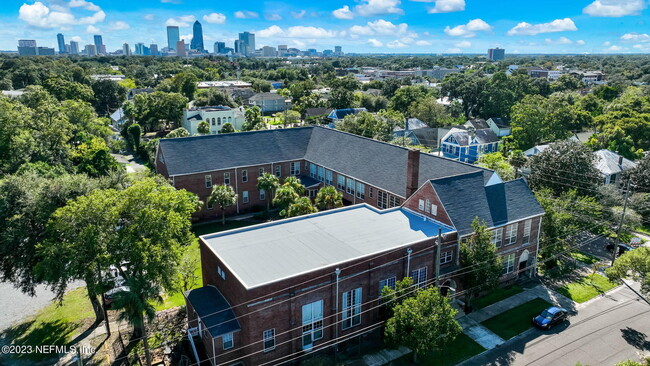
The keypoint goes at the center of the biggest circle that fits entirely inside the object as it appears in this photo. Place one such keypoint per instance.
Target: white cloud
(635, 37)
(463, 44)
(580, 42)
(149, 17)
(92, 29)
(120, 25)
(369, 8)
(215, 18)
(448, 6)
(246, 14)
(396, 44)
(272, 31)
(77, 39)
(615, 48)
(380, 27)
(182, 21)
(39, 15)
(375, 43)
(423, 43)
(272, 17)
(615, 8)
(187, 38)
(558, 25)
(298, 14)
(309, 32)
(642, 47)
(607, 43)
(343, 13)
(561, 40)
(469, 29)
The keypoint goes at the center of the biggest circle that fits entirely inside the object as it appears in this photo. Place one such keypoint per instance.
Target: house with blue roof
(339, 114)
(466, 145)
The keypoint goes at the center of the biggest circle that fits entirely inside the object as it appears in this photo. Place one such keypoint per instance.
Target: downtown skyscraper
(248, 40)
(61, 42)
(173, 36)
(99, 44)
(197, 37)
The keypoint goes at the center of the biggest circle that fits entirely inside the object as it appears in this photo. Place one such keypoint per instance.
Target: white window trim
(208, 181)
(231, 340)
(352, 311)
(268, 335)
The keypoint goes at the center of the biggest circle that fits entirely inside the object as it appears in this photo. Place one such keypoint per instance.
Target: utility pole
(437, 260)
(620, 225)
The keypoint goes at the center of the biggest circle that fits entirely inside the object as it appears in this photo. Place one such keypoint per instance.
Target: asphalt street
(607, 330)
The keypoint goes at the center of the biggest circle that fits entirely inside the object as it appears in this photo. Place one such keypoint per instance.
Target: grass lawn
(462, 348)
(496, 296)
(644, 229)
(584, 257)
(53, 324)
(214, 227)
(516, 320)
(586, 288)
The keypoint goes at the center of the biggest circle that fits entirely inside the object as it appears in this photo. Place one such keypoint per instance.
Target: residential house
(467, 146)
(339, 114)
(315, 115)
(216, 117)
(500, 126)
(133, 92)
(270, 102)
(476, 124)
(611, 166)
(420, 134)
(118, 119)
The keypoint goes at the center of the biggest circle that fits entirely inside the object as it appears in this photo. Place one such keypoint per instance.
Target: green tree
(188, 278)
(328, 198)
(536, 119)
(203, 128)
(566, 83)
(480, 253)
(635, 264)
(109, 95)
(341, 98)
(262, 86)
(223, 196)
(227, 128)
(94, 158)
(295, 184)
(302, 206)
(253, 117)
(179, 132)
(392, 297)
(134, 132)
(497, 162)
(406, 96)
(212, 97)
(268, 183)
(284, 197)
(63, 89)
(423, 323)
(366, 125)
(184, 83)
(429, 111)
(640, 176)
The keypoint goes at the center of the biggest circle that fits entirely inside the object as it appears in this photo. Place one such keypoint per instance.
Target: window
(389, 282)
(527, 224)
(219, 121)
(328, 177)
(226, 178)
(278, 171)
(269, 339)
(511, 234)
(350, 186)
(294, 168)
(340, 182)
(244, 196)
(352, 308)
(312, 323)
(261, 172)
(213, 122)
(509, 263)
(244, 176)
(221, 273)
(208, 181)
(312, 193)
(394, 202)
(361, 191)
(262, 195)
(209, 205)
(419, 277)
(497, 237)
(321, 174)
(382, 199)
(421, 205)
(312, 170)
(447, 257)
(427, 206)
(434, 209)
(370, 192)
(227, 341)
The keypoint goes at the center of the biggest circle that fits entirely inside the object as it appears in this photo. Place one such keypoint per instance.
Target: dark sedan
(550, 317)
(622, 248)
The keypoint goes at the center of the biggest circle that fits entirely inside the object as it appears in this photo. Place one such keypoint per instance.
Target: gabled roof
(465, 138)
(317, 112)
(466, 197)
(478, 124)
(267, 96)
(501, 122)
(214, 311)
(118, 115)
(414, 124)
(341, 113)
(607, 162)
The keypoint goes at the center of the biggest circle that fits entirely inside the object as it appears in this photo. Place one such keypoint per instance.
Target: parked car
(109, 296)
(550, 317)
(622, 248)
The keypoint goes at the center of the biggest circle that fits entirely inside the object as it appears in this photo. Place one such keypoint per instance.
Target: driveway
(607, 330)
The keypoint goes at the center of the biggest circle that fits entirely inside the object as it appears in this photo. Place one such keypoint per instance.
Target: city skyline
(366, 26)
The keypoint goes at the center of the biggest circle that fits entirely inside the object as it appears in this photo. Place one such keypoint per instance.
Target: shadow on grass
(31, 334)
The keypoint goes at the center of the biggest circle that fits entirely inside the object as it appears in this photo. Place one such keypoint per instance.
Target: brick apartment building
(273, 290)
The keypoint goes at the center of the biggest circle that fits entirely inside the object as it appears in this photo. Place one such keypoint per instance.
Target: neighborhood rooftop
(373, 162)
(270, 252)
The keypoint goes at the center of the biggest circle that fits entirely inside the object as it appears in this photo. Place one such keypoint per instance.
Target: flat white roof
(270, 252)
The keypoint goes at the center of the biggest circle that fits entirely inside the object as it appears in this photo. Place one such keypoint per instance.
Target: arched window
(213, 121)
(229, 119)
(219, 121)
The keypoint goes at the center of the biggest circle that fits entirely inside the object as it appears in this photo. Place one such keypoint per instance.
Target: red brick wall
(427, 192)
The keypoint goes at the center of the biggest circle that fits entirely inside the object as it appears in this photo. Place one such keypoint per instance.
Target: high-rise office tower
(496, 54)
(98, 43)
(27, 47)
(126, 50)
(173, 36)
(180, 49)
(139, 49)
(219, 47)
(338, 50)
(61, 41)
(249, 43)
(91, 50)
(74, 48)
(153, 49)
(45, 51)
(240, 47)
(282, 50)
(197, 37)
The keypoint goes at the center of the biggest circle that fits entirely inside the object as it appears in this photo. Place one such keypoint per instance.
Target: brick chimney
(412, 172)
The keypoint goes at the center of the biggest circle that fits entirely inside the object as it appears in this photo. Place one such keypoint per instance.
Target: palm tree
(268, 183)
(328, 198)
(295, 184)
(285, 197)
(223, 196)
(302, 206)
(253, 117)
(136, 305)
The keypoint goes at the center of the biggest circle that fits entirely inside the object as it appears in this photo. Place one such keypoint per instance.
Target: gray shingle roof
(607, 162)
(463, 137)
(214, 311)
(466, 197)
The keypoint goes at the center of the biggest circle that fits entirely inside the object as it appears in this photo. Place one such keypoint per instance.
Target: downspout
(539, 230)
(237, 189)
(337, 272)
(408, 261)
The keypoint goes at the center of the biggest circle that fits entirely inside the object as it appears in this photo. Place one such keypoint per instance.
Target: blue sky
(386, 26)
